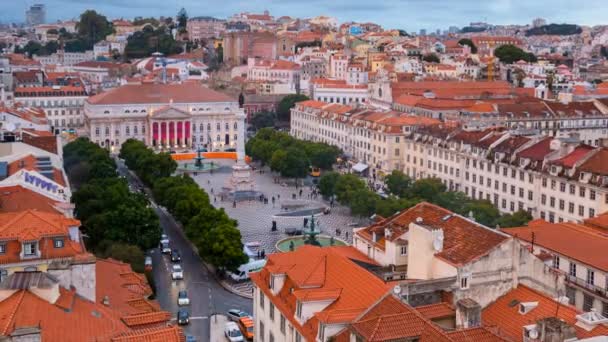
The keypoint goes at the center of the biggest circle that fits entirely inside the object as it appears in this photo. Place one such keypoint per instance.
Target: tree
(296, 163)
(278, 160)
(93, 27)
(182, 19)
(263, 119)
(509, 54)
(346, 186)
(129, 254)
(427, 189)
(221, 246)
(431, 58)
(517, 219)
(327, 184)
(392, 205)
(397, 183)
(454, 201)
(286, 104)
(483, 211)
(143, 43)
(468, 42)
(322, 155)
(363, 202)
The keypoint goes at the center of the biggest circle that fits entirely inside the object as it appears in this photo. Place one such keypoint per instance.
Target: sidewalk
(216, 328)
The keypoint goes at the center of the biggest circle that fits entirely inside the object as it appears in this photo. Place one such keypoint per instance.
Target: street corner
(216, 328)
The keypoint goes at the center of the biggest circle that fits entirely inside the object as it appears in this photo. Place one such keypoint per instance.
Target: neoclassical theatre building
(164, 116)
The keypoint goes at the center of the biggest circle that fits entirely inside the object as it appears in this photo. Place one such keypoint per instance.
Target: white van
(243, 271)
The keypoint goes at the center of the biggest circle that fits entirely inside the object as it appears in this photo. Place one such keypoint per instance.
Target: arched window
(134, 129)
(96, 130)
(107, 130)
(236, 125)
(227, 126)
(127, 130)
(379, 92)
(208, 126)
(217, 126)
(235, 137)
(201, 127)
(218, 138)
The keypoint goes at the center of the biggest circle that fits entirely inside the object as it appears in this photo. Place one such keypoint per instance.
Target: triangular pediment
(170, 113)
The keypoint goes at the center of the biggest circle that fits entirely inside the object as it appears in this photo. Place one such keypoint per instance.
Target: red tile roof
(573, 240)
(435, 311)
(538, 151)
(570, 160)
(158, 93)
(505, 316)
(597, 164)
(17, 198)
(479, 334)
(464, 240)
(325, 269)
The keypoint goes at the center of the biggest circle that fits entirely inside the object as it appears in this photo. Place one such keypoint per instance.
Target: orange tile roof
(438, 310)
(17, 198)
(158, 93)
(32, 224)
(599, 222)
(157, 334)
(573, 240)
(146, 318)
(124, 288)
(509, 322)
(596, 164)
(478, 334)
(326, 269)
(464, 240)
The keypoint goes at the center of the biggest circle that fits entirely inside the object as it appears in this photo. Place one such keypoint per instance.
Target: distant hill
(555, 29)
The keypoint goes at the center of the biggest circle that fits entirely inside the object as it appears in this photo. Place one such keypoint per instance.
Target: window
(571, 294)
(298, 309)
(261, 299)
(562, 187)
(261, 333)
(58, 243)
(556, 261)
(590, 277)
(582, 191)
(591, 212)
(552, 201)
(561, 204)
(572, 270)
(270, 336)
(283, 324)
(403, 250)
(572, 189)
(530, 195)
(571, 207)
(587, 302)
(464, 282)
(581, 210)
(271, 306)
(512, 189)
(298, 337)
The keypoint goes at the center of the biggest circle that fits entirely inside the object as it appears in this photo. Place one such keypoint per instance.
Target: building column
(184, 133)
(174, 133)
(166, 142)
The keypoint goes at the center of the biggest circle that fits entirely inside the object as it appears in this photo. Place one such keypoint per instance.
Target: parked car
(175, 257)
(183, 317)
(236, 314)
(164, 238)
(148, 263)
(164, 248)
(177, 272)
(190, 338)
(182, 298)
(232, 332)
(246, 326)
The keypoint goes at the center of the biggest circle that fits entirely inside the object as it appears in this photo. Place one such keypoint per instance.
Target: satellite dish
(10, 126)
(397, 289)
(533, 334)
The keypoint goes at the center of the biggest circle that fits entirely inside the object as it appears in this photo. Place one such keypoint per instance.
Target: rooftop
(158, 94)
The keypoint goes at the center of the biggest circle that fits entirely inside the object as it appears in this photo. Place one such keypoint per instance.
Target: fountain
(198, 165)
(311, 235)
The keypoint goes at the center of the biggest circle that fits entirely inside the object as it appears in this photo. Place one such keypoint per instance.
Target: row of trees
(117, 222)
(149, 40)
(283, 113)
(215, 235)
(352, 191)
(289, 156)
(509, 54)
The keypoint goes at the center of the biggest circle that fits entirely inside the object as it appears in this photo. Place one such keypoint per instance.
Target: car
(175, 257)
(183, 317)
(177, 272)
(232, 332)
(190, 338)
(148, 263)
(246, 326)
(164, 248)
(236, 314)
(182, 298)
(164, 238)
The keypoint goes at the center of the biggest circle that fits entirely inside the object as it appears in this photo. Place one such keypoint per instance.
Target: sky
(411, 15)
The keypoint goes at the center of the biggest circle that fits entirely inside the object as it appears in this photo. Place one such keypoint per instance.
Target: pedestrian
(300, 192)
(263, 254)
(211, 190)
(214, 199)
(208, 181)
(279, 196)
(234, 204)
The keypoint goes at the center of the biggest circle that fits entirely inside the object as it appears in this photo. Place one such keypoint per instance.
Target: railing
(598, 290)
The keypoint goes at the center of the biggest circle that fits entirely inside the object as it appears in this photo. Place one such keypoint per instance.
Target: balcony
(582, 284)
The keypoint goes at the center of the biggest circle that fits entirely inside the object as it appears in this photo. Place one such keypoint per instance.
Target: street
(206, 295)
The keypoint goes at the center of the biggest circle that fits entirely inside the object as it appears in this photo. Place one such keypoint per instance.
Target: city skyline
(413, 14)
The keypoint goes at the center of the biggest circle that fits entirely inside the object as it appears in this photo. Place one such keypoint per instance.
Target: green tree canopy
(327, 184)
(431, 58)
(467, 41)
(263, 119)
(286, 104)
(397, 183)
(517, 219)
(182, 19)
(509, 54)
(427, 189)
(143, 43)
(93, 27)
(483, 211)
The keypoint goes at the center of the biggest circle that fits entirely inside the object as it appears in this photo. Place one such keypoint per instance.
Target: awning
(359, 167)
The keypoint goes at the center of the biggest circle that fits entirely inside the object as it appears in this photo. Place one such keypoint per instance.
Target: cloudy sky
(405, 14)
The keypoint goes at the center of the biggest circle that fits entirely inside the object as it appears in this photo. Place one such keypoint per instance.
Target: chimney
(468, 313)
(553, 329)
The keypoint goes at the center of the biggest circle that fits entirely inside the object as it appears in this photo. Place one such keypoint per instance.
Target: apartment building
(572, 250)
(269, 71)
(556, 179)
(63, 105)
(202, 28)
(164, 116)
(367, 136)
(338, 91)
(338, 65)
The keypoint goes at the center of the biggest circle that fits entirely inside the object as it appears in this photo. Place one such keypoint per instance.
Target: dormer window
(58, 243)
(30, 249)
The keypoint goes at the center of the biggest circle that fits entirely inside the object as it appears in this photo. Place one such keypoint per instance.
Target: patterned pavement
(255, 218)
